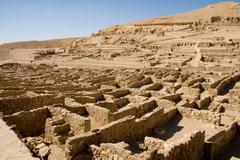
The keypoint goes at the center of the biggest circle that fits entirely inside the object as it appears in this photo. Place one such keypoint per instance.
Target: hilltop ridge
(224, 9)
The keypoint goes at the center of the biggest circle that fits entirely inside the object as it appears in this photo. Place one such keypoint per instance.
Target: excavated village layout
(161, 89)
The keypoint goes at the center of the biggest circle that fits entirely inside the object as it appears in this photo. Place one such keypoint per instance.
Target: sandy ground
(17, 56)
(5, 58)
(180, 126)
(8, 140)
(22, 55)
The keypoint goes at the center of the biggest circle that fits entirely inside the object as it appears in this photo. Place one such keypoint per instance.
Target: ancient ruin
(160, 89)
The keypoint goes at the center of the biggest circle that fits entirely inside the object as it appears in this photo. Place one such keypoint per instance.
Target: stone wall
(78, 124)
(57, 131)
(219, 142)
(126, 111)
(226, 84)
(119, 93)
(164, 24)
(145, 107)
(126, 129)
(201, 115)
(76, 144)
(16, 104)
(119, 151)
(29, 123)
(190, 147)
(146, 123)
(99, 116)
(122, 130)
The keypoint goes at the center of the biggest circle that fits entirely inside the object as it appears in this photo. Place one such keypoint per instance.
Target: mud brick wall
(78, 123)
(205, 116)
(226, 83)
(99, 116)
(126, 129)
(13, 105)
(189, 147)
(29, 123)
(126, 111)
(146, 123)
(138, 110)
(121, 130)
(119, 150)
(221, 140)
(145, 107)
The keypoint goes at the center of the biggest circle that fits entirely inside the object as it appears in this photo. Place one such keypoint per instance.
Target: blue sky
(48, 19)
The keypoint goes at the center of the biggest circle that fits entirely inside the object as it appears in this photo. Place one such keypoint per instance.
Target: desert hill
(124, 45)
(224, 9)
(36, 44)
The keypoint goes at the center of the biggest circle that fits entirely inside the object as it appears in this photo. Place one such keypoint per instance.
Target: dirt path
(11, 148)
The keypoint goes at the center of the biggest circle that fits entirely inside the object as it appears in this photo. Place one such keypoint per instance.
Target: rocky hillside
(229, 10)
(4, 48)
(225, 10)
(158, 42)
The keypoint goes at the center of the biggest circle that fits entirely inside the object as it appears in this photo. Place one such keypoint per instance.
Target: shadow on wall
(170, 129)
(233, 152)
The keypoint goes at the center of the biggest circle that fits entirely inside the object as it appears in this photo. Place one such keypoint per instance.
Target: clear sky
(48, 19)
